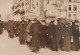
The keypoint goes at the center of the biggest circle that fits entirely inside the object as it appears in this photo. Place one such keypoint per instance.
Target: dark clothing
(52, 44)
(75, 34)
(34, 32)
(66, 38)
(11, 29)
(43, 35)
(1, 27)
(58, 36)
(22, 32)
(5, 25)
(16, 25)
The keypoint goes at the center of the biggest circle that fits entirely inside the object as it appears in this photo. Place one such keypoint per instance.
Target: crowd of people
(56, 35)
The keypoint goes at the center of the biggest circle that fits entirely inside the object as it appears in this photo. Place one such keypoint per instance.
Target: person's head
(12, 20)
(22, 19)
(59, 20)
(43, 22)
(67, 24)
(52, 22)
(35, 19)
(55, 22)
(0, 16)
(29, 20)
(76, 22)
(9, 20)
(0, 20)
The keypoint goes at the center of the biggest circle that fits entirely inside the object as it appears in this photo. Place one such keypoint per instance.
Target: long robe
(43, 35)
(35, 40)
(22, 32)
(16, 25)
(58, 36)
(1, 27)
(5, 25)
(52, 44)
(11, 29)
(75, 34)
(66, 38)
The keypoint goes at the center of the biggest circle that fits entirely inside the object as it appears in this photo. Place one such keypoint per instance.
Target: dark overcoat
(43, 35)
(75, 34)
(1, 27)
(11, 29)
(52, 44)
(34, 32)
(16, 25)
(22, 32)
(66, 38)
(58, 36)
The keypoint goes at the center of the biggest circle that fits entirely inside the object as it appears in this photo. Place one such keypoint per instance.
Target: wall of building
(75, 14)
(57, 8)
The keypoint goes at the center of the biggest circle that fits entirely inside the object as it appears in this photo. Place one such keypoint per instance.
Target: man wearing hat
(1, 27)
(52, 44)
(66, 37)
(11, 29)
(43, 33)
(21, 31)
(57, 34)
(75, 35)
(35, 36)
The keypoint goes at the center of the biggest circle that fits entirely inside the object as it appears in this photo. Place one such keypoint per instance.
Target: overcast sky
(5, 7)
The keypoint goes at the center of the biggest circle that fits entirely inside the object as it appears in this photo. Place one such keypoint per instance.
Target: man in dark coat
(35, 36)
(66, 36)
(6, 25)
(43, 34)
(11, 29)
(1, 27)
(16, 25)
(52, 44)
(75, 34)
(22, 32)
(57, 34)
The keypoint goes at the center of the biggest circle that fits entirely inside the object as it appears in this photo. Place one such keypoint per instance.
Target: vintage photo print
(39, 27)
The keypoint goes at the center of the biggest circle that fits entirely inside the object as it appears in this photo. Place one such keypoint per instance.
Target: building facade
(73, 9)
(28, 9)
(43, 9)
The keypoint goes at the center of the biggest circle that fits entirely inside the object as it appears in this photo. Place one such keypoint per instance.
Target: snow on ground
(10, 46)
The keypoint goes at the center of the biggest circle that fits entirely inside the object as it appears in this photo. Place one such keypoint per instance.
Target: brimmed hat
(76, 21)
(52, 21)
(43, 20)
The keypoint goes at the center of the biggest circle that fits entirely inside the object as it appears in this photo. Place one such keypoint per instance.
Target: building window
(75, 8)
(69, 0)
(69, 7)
(69, 15)
(74, 15)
